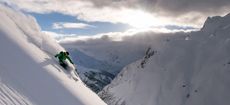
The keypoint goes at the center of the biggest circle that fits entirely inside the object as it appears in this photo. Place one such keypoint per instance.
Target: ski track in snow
(9, 96)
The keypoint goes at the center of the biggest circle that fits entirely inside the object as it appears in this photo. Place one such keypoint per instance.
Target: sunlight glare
(140, 19)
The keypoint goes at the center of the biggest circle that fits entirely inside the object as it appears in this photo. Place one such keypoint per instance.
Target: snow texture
(29, 74)
(179, 69)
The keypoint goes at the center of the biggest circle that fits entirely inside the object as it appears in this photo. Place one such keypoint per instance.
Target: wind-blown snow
(189, 69)
(29, 73)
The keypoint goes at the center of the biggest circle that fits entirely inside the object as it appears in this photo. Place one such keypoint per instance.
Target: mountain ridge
(188, 69)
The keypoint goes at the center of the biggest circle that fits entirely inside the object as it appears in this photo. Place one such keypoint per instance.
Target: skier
(62, 56)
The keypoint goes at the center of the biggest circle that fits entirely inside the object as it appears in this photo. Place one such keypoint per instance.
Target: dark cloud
(184, 6)
(171, 12)
(169, 7)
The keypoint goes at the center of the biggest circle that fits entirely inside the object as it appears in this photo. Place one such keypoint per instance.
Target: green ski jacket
(62, 57)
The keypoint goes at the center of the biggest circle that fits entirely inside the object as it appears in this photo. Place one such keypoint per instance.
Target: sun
(140, 19)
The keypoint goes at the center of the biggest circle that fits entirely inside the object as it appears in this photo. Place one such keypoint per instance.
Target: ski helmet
(67, 52)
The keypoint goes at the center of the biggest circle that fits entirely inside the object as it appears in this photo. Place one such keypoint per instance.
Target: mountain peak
(212, 24)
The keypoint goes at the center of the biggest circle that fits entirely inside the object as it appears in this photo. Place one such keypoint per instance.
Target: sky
(93, 17)
(64, 24)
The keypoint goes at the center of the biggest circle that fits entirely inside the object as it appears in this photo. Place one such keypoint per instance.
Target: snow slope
(29, 74)
(182, 69)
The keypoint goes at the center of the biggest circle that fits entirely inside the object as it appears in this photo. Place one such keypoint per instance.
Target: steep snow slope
(28, 72)
(10, 96)
(190, 69)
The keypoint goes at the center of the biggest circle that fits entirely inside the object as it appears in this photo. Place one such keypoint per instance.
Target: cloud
(53, 34)
(119, 36)
(176, 7)
(163, 12)
(139, 40)
(69, 37)
(201, 6)
(180, 12)
(66, 25)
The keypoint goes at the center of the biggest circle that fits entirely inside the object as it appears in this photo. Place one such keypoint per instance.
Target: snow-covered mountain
(101, 59)
(95, 79)
(93, 72)
(179, 69)
(29, 74)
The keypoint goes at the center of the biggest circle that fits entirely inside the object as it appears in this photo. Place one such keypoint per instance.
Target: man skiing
(62, 56)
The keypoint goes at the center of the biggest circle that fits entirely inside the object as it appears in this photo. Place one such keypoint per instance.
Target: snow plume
(29, 73)
(28, 26)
